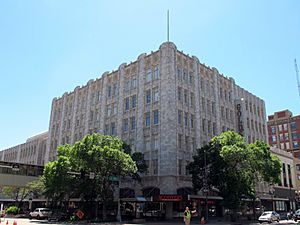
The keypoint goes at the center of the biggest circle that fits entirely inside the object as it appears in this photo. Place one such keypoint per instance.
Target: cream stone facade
(30, 152)
(165, 105)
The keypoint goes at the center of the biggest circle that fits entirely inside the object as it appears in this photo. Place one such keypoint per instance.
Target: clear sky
(48, 47)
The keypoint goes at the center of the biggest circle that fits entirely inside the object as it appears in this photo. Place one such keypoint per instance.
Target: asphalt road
(41, 222)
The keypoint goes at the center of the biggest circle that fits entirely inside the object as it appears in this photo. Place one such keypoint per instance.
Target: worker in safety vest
(187, 216)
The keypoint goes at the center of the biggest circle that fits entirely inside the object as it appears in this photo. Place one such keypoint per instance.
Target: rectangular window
(155, 95)
(293, 126)
(295, 144)
(109, 91)
(156, 72)
(148, 96)
(273, 138)
(185, 77)
(113, 129)
(273, 129)
(127, 103)
(179, 94)
(115, 90)
(285, 126)
(280, 128)
(287, 145)
(192, 121)
(281, 137)
(108, 110)
(286, 136)
(132, 123)
(187, 143)
(133, 101)
(127, 85)
(186, 119)
(294, 136)
(186, 100)
(180, 141)
(155, 117)
(214, 127)
(114, 108)
(191, 78)
(147, 119)
(179, 73)
(203, 125)
(192, 100)
(179, 117)
(125, 125)
(156, 143)
(133, 82)
(149, 75)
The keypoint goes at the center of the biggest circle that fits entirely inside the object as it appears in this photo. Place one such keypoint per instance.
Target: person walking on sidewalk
(187, 216)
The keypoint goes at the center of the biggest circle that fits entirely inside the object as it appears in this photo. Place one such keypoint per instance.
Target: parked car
(296, 215)
(58, 216)
(269, 216)
(40, 213)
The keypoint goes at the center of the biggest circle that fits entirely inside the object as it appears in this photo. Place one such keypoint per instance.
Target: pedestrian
(187, 216)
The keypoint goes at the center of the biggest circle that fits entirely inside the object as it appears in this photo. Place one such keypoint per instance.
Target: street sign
(79, 214)
(92, 175)
(113, 178)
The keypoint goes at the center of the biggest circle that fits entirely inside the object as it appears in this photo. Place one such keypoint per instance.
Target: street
(176, 222)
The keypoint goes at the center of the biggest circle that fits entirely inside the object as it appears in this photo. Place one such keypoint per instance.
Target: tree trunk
(104, 210)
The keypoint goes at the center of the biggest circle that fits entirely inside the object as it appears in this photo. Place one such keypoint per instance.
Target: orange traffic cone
(15, 222)
(6, 222)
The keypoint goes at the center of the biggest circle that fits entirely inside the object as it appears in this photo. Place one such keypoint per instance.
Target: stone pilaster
(88, 107)
(140, 107)
(73, 118)
(120, 98)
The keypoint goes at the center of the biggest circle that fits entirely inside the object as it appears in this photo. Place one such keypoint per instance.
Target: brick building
(284, 131)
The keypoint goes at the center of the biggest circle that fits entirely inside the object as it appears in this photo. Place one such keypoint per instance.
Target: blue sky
(48, 47)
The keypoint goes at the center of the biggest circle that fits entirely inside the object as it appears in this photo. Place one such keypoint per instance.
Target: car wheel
(38, 217)
(30, 217)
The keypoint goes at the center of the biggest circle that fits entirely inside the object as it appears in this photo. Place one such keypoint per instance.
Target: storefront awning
(274, 199)
(203, 197)
(136, 199)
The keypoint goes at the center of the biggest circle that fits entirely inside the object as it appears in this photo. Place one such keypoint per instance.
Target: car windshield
(266, 213)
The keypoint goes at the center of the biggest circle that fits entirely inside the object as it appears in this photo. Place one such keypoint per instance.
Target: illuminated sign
(170, 198)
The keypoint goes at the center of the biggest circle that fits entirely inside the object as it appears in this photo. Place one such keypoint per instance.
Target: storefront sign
(170, 198)
(209, 202)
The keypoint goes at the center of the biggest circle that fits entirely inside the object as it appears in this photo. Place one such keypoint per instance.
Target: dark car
(58, 216)
(296, 215)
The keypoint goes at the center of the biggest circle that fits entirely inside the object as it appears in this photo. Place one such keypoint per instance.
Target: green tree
(233, 167)
(20, 193)
(95, 153)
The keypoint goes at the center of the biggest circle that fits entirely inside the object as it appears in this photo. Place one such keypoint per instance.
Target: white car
(269, 216)
(40, 213)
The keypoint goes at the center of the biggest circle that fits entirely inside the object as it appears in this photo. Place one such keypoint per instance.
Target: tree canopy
(234, 167)
(87, 169)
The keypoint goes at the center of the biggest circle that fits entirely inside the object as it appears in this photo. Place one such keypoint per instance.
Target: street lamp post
(205, 186)
(272, 192)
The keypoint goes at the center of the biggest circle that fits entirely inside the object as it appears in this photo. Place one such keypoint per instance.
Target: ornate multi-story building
(30, 152)
(165, 105)
(284, 131)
